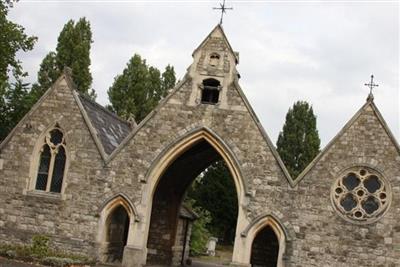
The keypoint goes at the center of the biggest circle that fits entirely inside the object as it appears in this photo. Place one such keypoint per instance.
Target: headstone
(212, 242)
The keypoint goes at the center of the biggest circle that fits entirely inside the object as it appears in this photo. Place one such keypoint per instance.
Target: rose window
(361, 194)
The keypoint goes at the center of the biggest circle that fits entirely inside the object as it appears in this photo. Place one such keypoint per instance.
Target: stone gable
(66, 216)
(321, 233)
(124, 186)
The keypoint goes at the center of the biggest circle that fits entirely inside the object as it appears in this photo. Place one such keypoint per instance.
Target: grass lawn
(223, 255)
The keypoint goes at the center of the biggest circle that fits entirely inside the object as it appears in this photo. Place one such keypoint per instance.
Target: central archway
(168, 181)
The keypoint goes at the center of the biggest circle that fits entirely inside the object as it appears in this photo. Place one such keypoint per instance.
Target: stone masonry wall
(70, 219)
(323, 238)
(316, 235)
(238, 130)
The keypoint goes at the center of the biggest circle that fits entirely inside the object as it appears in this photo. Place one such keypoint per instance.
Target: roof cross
(223, 9)
(371, 85)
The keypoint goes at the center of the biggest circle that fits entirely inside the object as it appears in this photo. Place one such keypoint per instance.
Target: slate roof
(111, 129)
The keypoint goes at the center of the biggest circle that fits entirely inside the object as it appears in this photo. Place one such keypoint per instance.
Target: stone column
(135, 251)
(241, 257)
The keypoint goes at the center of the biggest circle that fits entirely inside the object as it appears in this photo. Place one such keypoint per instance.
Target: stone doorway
(265, 248)
(117, 227)
(163, 242)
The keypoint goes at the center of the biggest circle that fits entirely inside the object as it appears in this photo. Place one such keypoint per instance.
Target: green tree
(13, 92)
(47, 75)
(73, 50)
(298, 143)
(168, 80)
(18, 103)
(215, 192)
(154, 89)
(200, 233)
(139, 88)
(12, 40)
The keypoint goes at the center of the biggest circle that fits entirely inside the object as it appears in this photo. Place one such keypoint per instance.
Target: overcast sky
(322, 52)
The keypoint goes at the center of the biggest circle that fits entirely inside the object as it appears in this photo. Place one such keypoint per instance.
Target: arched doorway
(177, 171)
(117, 227)
(265, 248)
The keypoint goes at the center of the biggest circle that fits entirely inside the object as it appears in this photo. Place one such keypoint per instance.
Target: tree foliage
(200, 233)
(168, 80)
(298, 143)
(12, 39)
(73, 50)
(139, 88)
(14, 97)
(215, 192)
(47, 75)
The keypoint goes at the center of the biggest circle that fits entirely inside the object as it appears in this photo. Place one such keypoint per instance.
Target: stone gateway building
(98, 185)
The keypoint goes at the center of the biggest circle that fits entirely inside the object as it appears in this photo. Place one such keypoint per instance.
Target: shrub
(39, 251)
(3, 249)
(40, 245)
(57, 261)
(200, 234)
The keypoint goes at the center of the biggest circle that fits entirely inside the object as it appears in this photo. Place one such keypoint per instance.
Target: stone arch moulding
(191, 137)
(106, 210)
(367, 162)
(114, 201)
(167, 156)
(258, 224)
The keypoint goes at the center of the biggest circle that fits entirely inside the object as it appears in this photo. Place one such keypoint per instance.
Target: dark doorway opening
(117, 234)
(165, 244)
(265, 249)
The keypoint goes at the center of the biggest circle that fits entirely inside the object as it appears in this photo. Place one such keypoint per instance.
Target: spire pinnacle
(371, 86)
(223, 9)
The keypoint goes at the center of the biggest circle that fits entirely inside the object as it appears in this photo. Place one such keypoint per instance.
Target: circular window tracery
(361, 195)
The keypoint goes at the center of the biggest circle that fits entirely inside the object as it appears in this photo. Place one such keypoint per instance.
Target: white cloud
(319, 52)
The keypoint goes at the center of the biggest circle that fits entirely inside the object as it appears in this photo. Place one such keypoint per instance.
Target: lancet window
(52, 161)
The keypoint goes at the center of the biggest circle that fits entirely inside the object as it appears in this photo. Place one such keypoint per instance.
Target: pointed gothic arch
(182, 143)
(176, 149)
(124, 200)
(117, 214)
(259, 226)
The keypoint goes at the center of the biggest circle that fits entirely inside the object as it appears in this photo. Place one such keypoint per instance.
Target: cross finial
(223, 9)
(371, 86)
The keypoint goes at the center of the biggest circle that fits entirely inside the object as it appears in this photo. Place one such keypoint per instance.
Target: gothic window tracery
(52, 161)
(361, 195)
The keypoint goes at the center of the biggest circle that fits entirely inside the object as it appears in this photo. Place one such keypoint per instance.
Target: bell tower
(213, 70)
